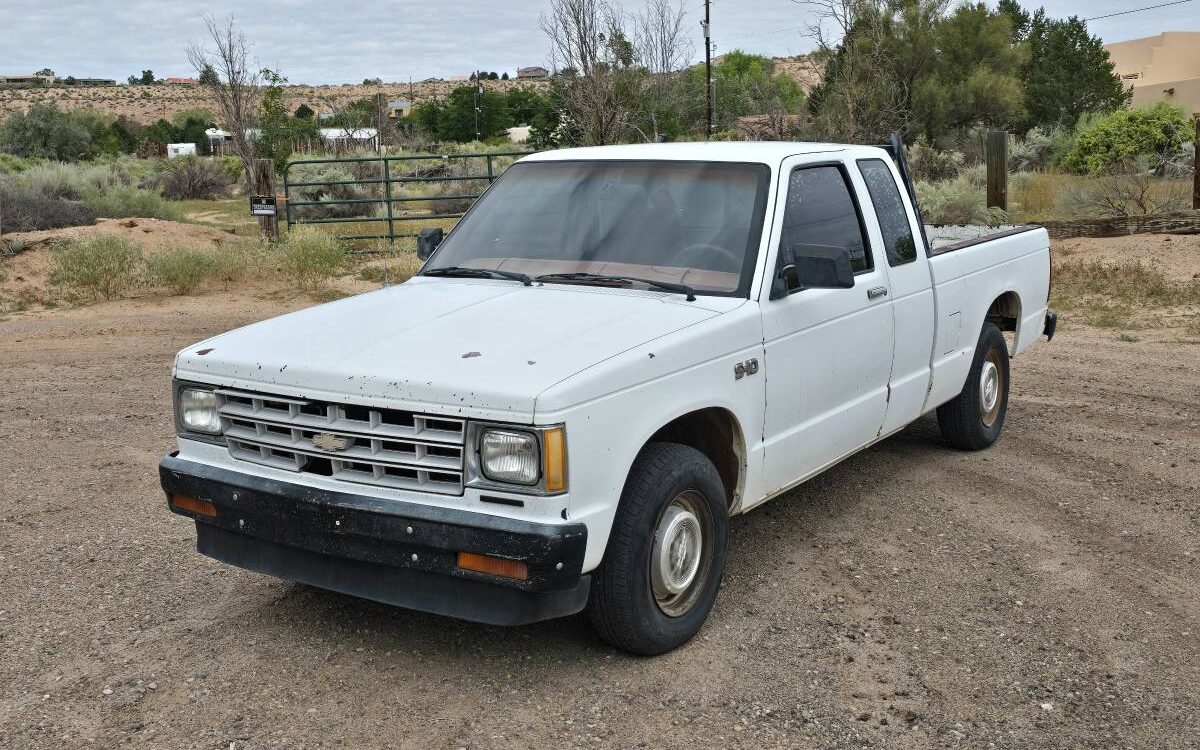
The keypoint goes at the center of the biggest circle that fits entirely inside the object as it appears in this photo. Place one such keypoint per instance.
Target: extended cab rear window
(898, 239)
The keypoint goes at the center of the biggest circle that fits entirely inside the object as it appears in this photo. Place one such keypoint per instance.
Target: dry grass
(1121, 295)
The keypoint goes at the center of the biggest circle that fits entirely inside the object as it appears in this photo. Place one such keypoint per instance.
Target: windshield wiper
(602, 277)
(479, 273)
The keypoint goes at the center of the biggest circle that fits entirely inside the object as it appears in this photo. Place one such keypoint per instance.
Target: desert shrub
(233, 262)
(1034, 195)
(311, 257)
(23, 210)
(1131, 281)
(105, 265)
(962, 200)
(1131, 189)
(1034, 152)
(1107, 142)
(182, 270)
(10, 164)
(13, 246)
(62, 180)
(191, 178)
(125, 201)
(930, 164)
(325, 177)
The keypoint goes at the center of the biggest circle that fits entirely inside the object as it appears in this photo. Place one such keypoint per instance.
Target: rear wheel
(666, 552)
(975, 418)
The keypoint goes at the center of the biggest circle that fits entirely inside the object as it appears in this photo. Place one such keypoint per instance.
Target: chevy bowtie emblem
(331, 443)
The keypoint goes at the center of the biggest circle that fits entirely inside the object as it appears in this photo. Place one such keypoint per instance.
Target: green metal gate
(392, 193)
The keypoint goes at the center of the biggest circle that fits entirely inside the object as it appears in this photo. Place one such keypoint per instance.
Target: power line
(1137, 10)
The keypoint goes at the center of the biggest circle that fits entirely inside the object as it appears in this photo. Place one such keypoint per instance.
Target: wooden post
(1196, 166)
(264, 184)
(997, 169)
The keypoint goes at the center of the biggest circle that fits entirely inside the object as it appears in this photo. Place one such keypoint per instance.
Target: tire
(630, 606)
(975, 418)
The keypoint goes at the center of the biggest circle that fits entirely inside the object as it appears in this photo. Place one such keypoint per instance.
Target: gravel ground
(1040, 594)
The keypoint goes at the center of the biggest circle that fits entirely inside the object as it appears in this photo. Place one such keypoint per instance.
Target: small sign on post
(263, 205)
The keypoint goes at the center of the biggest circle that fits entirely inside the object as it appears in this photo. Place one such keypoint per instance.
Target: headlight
(510, 456)
(198, 411)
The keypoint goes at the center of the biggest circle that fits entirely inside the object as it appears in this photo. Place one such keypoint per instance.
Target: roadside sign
(263, 205)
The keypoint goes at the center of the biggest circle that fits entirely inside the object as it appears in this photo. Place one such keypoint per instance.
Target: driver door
(828, 351)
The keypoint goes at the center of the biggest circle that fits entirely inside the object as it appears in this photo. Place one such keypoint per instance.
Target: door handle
(877, 292)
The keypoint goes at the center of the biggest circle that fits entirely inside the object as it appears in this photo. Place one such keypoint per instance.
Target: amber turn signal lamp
(494, 566)
(556, 459)
(194, 505)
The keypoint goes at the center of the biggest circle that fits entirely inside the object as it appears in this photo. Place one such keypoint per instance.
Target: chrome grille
(382, 447)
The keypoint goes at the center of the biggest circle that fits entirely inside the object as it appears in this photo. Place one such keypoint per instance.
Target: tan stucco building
(1161, 68)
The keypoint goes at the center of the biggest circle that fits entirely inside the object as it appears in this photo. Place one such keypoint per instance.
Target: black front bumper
(389, 551)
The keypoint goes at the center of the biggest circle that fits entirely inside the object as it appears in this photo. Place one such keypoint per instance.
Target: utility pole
(708, 79)
(478, 94)
(1196, 166)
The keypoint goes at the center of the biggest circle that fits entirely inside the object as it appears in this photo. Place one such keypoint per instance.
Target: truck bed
(945, 239)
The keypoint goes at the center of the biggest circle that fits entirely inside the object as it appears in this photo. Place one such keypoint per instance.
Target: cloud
(333, 41)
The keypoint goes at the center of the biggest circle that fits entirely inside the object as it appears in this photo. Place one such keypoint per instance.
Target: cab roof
(764, 152)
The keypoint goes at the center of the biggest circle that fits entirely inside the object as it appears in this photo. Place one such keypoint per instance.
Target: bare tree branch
(235, 89)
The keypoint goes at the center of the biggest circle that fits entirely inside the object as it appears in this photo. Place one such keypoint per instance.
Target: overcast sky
(336, 41)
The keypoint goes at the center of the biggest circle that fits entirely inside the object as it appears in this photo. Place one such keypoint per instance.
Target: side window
(821, 213)
(898, 239)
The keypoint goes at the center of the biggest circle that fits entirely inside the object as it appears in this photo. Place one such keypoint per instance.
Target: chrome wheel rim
(991, 389)
(681, 554)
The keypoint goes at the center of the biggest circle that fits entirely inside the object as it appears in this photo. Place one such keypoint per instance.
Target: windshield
(690, 223)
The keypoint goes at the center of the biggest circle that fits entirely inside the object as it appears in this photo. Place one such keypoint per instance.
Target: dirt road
(1042, 594)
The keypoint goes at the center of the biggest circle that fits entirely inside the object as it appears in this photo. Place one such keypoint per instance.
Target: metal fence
(387, 197)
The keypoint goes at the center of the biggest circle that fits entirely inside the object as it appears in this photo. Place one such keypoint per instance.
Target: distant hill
(146, 104)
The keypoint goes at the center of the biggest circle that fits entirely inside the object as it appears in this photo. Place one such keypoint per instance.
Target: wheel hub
(991, 386)
(675, 559)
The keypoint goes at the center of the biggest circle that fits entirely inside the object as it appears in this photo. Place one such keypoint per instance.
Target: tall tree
(975, 80)
(236, 85)
(1068, 73)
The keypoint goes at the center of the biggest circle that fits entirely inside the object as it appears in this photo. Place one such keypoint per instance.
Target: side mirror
(812, 267)
(428, 240)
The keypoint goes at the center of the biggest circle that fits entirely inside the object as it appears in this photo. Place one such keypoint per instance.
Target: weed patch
(105, 265)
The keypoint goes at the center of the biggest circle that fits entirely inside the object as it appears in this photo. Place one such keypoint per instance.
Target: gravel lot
(1040, 594)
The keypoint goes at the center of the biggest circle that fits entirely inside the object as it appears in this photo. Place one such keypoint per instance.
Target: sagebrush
(105, 265)
(311, 257)
(182, 270)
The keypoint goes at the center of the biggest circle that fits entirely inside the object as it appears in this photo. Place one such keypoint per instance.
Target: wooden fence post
(1196, 166)
(264, 184)
(997, 169)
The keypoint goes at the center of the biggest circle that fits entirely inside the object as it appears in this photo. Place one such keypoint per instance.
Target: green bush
(105, 265)
(311, 257)
(10, 164)
(46, 132)
(125, 201)
(23, 210)
(1108, 141)
(182, 270)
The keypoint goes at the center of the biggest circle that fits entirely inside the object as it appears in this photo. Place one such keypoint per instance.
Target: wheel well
(1005, 311)
(715, 433)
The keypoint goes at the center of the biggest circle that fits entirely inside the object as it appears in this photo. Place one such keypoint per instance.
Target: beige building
(1161, 68)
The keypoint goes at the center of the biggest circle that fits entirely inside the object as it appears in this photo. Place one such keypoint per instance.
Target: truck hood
(484, 349)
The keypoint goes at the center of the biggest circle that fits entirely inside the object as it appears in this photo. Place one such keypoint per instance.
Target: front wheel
(974, 419)
(666, 552)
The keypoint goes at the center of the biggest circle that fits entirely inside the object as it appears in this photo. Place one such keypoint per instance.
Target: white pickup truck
(613, 352)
